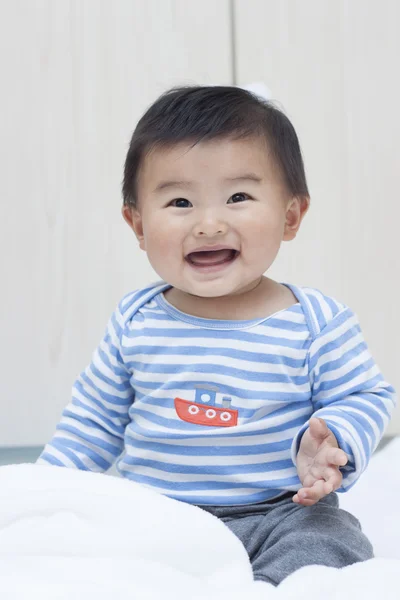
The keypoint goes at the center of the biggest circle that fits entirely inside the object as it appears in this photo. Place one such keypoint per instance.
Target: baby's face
(211, 218)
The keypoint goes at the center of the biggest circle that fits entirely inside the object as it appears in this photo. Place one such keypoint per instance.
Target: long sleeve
(91, 431)
(348, 392)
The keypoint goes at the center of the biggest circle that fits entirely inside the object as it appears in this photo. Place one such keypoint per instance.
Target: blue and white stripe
(309, 359)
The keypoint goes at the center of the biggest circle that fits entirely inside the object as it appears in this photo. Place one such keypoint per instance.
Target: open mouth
(212, 258)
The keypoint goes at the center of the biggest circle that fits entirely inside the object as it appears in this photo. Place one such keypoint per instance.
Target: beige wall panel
(334, 68)
(76, 75)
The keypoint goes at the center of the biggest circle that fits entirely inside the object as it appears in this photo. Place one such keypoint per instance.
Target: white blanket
(72, 535)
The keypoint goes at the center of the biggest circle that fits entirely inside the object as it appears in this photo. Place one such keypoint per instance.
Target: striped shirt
(212, 412)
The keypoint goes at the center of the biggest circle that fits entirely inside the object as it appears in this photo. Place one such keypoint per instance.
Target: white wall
(334, 67)
(76, 76)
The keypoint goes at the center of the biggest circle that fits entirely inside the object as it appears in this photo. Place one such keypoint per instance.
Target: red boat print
(204, 411)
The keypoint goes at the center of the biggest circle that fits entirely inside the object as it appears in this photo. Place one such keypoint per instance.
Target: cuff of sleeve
(296, 443)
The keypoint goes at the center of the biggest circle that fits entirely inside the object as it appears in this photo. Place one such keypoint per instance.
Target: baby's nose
(210, 226)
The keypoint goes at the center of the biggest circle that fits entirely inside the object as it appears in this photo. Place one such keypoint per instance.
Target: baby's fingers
(311, 495)
(333, 476)
(336, 456)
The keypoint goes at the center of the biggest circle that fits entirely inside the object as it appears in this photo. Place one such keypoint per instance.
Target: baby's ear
(134, 219)
(295, 213)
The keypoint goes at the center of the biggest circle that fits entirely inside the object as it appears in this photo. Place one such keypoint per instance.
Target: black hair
(200, 113)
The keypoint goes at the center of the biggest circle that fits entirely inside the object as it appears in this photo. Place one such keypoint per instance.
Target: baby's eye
(180, 203)
(239, 197)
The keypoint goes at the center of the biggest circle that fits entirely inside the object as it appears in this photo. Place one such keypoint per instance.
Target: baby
(218, 386)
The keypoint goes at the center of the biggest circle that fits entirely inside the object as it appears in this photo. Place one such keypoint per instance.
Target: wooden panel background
(76, 75)
(334, 68)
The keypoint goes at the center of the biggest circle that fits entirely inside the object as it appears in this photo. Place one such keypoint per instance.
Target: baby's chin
(209, 290)
(202, 294)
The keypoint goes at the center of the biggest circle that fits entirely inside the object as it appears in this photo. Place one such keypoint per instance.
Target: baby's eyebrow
(245, 177)
(163, 185)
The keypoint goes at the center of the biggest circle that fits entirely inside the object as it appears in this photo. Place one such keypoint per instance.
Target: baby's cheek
(162, 252)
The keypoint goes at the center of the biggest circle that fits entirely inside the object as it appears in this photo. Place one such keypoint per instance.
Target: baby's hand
(318, 462)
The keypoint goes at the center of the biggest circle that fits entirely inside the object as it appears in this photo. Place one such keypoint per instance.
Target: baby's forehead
(227, 157)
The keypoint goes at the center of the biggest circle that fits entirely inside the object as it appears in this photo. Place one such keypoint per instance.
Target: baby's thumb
(318, 429)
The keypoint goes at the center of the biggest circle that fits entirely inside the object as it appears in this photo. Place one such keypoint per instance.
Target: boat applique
(204, 410)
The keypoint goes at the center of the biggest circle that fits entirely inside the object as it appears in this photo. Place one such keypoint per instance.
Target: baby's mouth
(208, 258)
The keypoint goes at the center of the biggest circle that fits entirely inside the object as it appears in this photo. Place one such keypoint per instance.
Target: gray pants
(281, 536)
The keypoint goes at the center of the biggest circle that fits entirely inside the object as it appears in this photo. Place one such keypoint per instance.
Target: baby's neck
(264, 299)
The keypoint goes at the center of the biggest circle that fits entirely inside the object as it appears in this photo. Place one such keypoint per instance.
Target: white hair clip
(258, 88)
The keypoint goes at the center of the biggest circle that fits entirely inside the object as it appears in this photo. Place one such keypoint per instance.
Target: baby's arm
(91, 431)
(349, 394)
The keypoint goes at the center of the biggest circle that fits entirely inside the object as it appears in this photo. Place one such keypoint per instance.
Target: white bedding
(72, 535)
